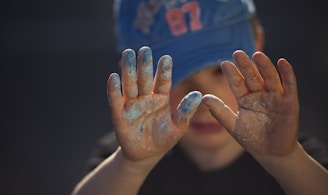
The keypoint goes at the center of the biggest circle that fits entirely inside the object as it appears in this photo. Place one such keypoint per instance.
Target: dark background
(55, 60)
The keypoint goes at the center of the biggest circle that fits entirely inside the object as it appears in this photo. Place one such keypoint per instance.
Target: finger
(115, 97)
(163, 76)
(220, 111)
(129, 78)
(145, 71)
(187, 108)
(252, 76)
(289, 82)
(268, 71)
(235, 79)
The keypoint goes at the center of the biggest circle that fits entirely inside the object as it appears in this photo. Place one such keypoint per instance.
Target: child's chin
(208, 140)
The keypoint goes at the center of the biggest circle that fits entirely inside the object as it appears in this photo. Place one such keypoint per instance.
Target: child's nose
(201, 84)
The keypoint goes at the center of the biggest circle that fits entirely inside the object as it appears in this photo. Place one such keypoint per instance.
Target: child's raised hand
(267, 119)
(145, 126)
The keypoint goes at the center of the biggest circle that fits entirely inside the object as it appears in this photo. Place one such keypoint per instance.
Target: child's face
(204, 130)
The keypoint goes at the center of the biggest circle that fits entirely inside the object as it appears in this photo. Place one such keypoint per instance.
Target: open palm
(144, 124)
(267, 119)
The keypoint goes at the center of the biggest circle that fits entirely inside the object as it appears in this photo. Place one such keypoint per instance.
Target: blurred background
(55, 60)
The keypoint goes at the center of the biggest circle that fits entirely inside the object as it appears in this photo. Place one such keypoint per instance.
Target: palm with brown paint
(266, 122)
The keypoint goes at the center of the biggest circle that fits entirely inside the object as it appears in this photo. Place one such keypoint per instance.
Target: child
(221, 129)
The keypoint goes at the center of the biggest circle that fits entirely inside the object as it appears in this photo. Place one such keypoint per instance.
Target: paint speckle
(133, 112)
(255, 104)
(163, 127)
(141, 129)
(164, 124)
(266, 103)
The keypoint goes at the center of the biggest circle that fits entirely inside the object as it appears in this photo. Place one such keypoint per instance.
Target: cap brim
(206, 48)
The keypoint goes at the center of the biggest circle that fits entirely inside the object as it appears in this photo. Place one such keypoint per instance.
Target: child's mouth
(206, 126)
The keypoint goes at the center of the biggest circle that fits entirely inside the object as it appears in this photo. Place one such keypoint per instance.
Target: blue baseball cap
(196, 33)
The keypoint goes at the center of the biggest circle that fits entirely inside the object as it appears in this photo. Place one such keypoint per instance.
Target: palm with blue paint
(144, 124)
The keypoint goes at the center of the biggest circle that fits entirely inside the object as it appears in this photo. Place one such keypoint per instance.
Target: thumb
(220, 111)
(187, 108)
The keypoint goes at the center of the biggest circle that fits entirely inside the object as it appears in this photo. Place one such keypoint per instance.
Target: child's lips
(206, 126)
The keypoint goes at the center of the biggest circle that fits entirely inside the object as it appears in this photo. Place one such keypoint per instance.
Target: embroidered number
(194, 12)
(177, 22)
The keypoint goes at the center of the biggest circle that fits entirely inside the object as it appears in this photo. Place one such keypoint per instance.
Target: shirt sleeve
(105, 146)
(314, 147)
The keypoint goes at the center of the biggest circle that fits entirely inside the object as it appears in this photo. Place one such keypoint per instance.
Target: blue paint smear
(147, 54)
(116, 81)
(192, 99)
(133, 112)
(130, 58)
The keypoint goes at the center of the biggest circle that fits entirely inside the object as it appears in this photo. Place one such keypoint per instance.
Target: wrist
(141, 166)
(272, 162)
(297, 173)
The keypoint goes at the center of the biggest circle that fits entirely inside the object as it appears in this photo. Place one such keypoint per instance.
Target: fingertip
(283, 61)
(144, 48)
(284, 66)
(113, 85)
(114, 80)
(167, 56)
(212, 101)
(128, 54)
(195, 96)
(114, 92)
(129, 57)
(165, 67)
(257, 55)
(241, 58)
(238, 52)
(166, 61)
(128, 51)
(187, 108)
(225, 63)
(190, 102)
(146, 53)
(208, 98)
